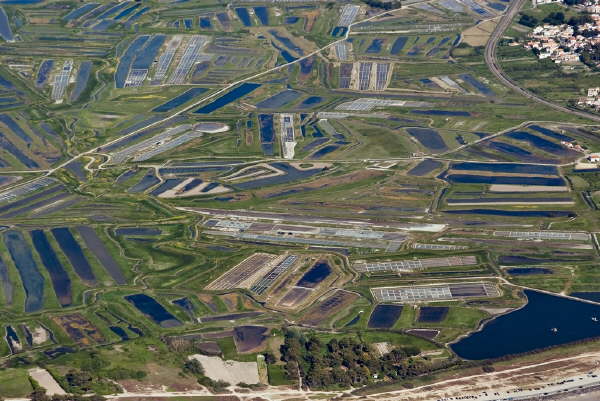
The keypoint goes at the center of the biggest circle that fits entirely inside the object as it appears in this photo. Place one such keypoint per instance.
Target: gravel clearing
(232, 372)
(45, 380)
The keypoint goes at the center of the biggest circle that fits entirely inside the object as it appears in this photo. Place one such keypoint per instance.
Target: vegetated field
(177, 178)
(15, 383)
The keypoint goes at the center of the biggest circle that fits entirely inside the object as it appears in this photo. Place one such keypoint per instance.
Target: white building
(594, 157)
(540, 2)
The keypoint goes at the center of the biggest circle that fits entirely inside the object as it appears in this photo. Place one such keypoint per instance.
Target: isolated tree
(270, 358)
(39, 394)
(79, 379)
(192, 366)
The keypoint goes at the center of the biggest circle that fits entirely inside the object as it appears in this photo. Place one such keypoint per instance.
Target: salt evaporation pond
(538, 142)
(278, 100)
(58, 275)
(398, 45)
(244, 16)
(425, 167)
(505, 168)
(319, 272)
(500, 179)
(263, 14)
(179, 100)
(127, 58)
(515, 213)
(324, 151)
(32, 279)
(83, 76)
(527, 271)
(229, 97)
(205, 23)
(551, 134)
(5, 31)
(429, 138)
(432, 314)
(72, 250)
(151, 308)
(384, 316)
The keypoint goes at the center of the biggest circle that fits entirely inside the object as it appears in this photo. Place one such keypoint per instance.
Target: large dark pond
(58, 275)
(32, 279)
(227, 98)
(319, 272)
(545, 321)
(515, 213)
(151, 308)
(384, 316)
(72, 250)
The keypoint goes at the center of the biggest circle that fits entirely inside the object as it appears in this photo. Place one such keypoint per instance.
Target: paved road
(492, 62)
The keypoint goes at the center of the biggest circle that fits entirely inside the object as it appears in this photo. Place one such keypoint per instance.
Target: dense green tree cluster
(591, 56)
(579, 20)
(345, 362)
(193, 367)
(528, 20)
(555, 18)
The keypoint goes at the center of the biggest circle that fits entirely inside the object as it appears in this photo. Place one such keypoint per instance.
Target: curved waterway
(546, 320)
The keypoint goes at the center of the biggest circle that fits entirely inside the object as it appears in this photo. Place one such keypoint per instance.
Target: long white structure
(288, 140)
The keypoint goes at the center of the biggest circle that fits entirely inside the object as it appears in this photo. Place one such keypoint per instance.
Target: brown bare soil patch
(79, 329)
(230, 301)
(311, 17)
(325, 309)
(208, 300)
(479, 34)
(159, 376)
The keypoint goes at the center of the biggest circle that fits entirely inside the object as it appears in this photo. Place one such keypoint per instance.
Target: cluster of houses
(561, 43)
(592, 99)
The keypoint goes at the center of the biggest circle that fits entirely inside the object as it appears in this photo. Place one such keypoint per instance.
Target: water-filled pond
(384, 316)
(319, 272)
(516, 213)
(263, 14)
(179, 100)
(244, 16)
(229, 97)
(546, 320)
(151, 308)
(32, 279)
(72, 250)
(432, 314)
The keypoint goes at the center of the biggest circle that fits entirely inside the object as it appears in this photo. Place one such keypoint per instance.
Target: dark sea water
(532, 327)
